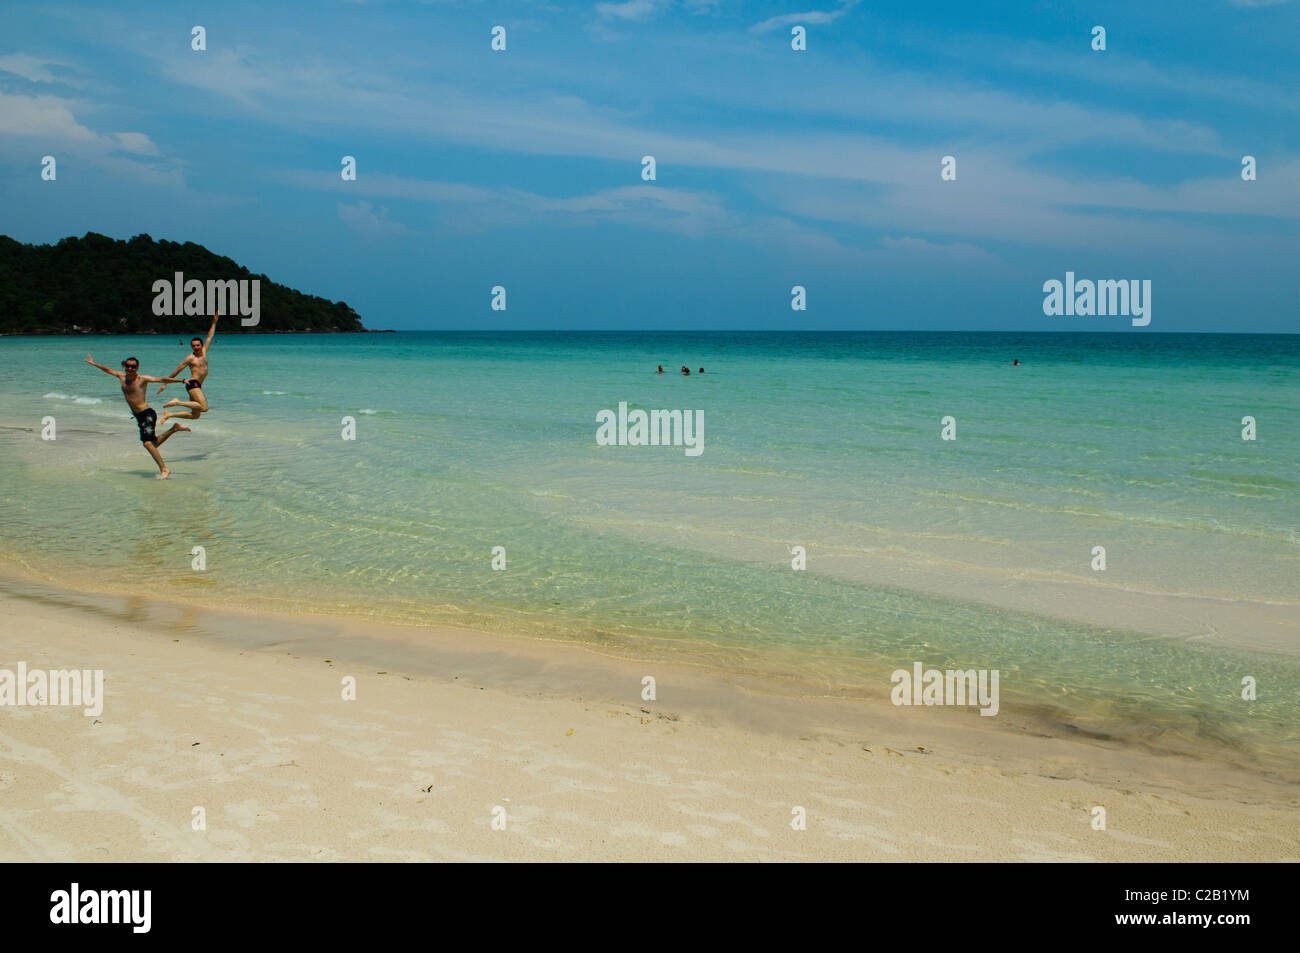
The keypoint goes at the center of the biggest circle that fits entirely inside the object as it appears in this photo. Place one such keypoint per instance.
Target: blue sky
(775, 168)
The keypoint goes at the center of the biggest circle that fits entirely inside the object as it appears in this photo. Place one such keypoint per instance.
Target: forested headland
(99, 285)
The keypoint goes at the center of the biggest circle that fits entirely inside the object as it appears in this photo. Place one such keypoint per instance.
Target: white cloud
(369, 224)
(807, 172)
(379, 184)
(470, 208)
(639, 10)
(1194, 83)
(1010, 203)
(697, 215)
(955, 251)
(47, 117)
(134, 142)
(812, 16)
(31, 68)
(50, 121)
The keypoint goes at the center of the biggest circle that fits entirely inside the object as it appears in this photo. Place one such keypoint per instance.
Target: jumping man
(137, 398)
(197, 361)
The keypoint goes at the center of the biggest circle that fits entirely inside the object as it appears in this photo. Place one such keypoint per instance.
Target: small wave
(1205, 524)
(88, 400)
(1253, 480)
(752, 470)
(367, 410)
(57, 396)
(273, 393)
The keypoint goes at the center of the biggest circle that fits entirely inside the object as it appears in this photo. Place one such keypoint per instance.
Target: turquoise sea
(974, 552)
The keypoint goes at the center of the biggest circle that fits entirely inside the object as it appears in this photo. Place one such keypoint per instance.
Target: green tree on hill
(96, 284)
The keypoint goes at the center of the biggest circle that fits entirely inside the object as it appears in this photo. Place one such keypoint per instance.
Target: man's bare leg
(162, 438)
(152, 446)
(163, 472)
(199, 402)
(197, 406)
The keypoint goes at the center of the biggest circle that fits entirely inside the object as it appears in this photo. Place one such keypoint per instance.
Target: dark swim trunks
(146, 419)
(192, 383)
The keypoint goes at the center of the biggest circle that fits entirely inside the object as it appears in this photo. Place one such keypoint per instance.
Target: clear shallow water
(972, 553)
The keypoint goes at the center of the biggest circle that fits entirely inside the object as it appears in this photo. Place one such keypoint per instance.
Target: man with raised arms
(135, 391)
(197, 362)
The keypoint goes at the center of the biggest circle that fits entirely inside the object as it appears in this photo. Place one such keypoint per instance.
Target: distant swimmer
(661, 369)
(1015, 363)
(686, 370)
(137, 398)
(701, 370)
(197, 361)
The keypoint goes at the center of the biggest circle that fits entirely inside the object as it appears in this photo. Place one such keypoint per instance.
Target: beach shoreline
(241, 714)
(767, 672)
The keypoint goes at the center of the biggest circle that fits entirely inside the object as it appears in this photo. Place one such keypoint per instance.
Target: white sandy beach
(253, 729)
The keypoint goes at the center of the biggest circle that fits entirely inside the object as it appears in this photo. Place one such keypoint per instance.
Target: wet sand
(242, 715)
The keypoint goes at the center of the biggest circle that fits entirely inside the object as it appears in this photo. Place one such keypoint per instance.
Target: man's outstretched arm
(159, 380)
(179, 367)
(212, 333)
(107, 370)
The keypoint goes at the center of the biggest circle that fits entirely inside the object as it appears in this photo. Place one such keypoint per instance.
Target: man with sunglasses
(137, 398)
(197, 361)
